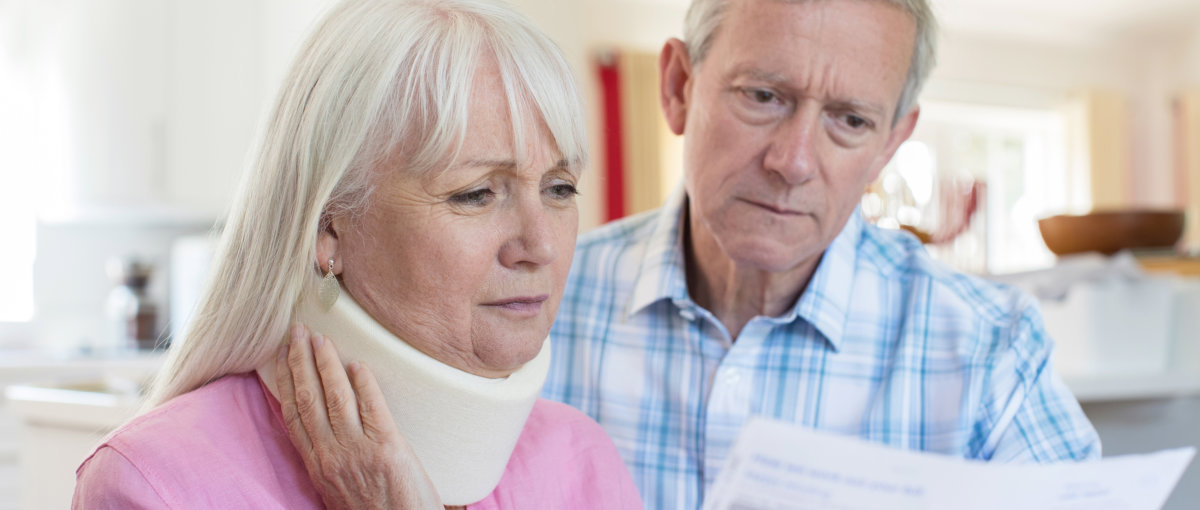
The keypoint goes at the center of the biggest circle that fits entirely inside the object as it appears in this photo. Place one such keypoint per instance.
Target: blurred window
(973, 181)
(18, 181)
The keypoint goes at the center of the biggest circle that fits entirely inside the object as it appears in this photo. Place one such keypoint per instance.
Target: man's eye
(856, 122)
(477, 197)
(760, 95)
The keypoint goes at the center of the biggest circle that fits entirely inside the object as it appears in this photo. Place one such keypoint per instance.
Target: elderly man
(759, 290)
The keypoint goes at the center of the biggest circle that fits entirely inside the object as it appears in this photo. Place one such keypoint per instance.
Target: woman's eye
(562, 191)
(477, 197)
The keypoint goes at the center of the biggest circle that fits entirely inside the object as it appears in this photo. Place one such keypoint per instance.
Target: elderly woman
(413, 202)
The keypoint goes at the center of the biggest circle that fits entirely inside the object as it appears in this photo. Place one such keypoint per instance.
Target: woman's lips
(522, 305)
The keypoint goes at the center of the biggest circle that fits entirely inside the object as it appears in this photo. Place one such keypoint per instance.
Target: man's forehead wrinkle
(752, 71)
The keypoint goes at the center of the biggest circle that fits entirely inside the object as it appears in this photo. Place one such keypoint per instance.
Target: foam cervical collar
(462, 426)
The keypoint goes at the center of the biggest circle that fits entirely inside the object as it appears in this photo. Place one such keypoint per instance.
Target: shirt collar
(824, 303)
(661, 275)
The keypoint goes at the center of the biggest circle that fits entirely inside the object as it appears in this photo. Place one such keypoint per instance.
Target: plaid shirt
(884, 344)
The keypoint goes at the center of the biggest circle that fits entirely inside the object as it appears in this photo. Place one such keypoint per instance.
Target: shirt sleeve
(108, 480)
(1038, 419)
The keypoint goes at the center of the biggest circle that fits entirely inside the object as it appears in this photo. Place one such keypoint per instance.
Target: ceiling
(1079, 22)
(1069, 22)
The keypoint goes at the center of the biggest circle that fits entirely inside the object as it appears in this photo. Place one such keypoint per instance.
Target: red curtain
(614, 150)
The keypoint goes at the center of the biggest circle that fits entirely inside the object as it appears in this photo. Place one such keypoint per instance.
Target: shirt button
(732, 376)
(687, 315)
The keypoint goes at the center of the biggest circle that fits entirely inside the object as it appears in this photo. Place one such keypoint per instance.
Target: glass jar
(132, 316)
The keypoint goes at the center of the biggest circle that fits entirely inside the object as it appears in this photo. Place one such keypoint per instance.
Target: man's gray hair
(704, 19)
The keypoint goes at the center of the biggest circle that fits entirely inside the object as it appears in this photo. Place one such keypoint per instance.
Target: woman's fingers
(309, 396)
(338, 419)
(287, 390)
(377, 422)
(340, 402)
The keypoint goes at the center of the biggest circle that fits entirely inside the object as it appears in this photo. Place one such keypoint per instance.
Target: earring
(329, 289)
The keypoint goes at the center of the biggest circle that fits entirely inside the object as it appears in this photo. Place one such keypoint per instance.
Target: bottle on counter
(132, 317)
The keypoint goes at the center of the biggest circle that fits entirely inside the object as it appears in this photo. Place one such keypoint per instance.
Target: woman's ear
(327, 247)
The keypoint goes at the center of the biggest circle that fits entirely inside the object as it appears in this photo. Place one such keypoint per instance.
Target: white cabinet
(215, 99)
(147, 109)
(98, 72)
(60, 427)
(61, 422)
(1169, 335)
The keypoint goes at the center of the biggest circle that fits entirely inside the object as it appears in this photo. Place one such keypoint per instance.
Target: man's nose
(532, 242)
(792, 154)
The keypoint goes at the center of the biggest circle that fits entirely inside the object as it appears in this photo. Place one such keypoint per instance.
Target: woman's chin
(501, 355)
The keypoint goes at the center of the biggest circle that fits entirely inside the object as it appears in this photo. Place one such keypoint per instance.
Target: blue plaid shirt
(884, 344)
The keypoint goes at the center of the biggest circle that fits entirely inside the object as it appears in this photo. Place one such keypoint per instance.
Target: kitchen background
(124, 125)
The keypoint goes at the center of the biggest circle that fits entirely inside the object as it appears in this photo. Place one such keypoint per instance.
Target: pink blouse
(225, 446)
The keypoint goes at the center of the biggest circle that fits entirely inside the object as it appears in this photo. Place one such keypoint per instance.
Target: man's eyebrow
(758, 74)
(863, 106)
(781, 81)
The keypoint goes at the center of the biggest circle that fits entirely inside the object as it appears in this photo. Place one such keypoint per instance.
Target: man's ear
(674, 82)
(327, 246)
(900, 132)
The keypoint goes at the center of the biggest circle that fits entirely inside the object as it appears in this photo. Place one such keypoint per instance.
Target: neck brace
(463, 427)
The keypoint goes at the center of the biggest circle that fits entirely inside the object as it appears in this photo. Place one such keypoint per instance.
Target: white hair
(375, 80)
(704, 17)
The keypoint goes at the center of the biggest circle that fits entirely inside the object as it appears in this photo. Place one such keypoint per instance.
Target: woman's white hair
(377, 79)
(704, 17)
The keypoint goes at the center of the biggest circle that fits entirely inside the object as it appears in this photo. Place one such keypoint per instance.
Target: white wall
(1041, 75)
(72, 281)
(582, 28)
(969, 59)
(641, 25)
(216, 96)
(1190, 60)
(283, 27)
(1153, 137)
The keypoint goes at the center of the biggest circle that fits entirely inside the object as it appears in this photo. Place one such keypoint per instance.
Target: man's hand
(339, 422)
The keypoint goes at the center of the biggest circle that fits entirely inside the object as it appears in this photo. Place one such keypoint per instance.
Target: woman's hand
(337, 419)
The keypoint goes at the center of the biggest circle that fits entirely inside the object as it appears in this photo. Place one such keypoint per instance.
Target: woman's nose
(532, 242)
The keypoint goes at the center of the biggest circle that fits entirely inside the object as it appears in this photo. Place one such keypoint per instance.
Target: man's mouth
(777, 209)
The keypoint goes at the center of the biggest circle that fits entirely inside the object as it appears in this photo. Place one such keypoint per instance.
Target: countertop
(23, 366)
(1168, 263)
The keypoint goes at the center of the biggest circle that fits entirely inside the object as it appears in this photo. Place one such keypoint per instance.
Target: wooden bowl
(1108, 232)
